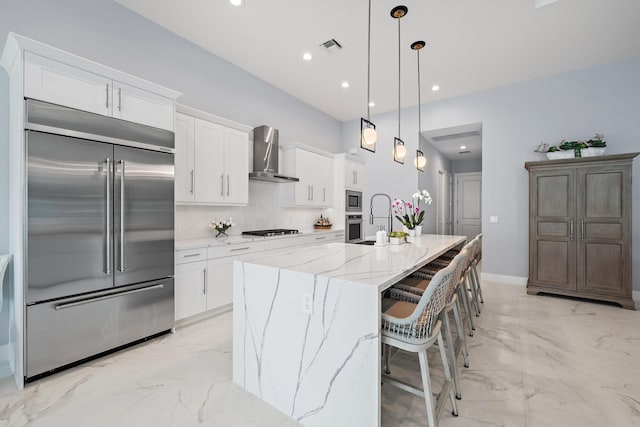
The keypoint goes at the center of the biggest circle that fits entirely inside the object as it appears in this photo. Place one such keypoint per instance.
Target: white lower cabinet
(190, 289)
(204, 283)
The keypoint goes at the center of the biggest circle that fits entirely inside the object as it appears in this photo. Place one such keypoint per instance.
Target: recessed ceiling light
(372, 104)
(236, 2)
(435, 88)
(463, 147)
(307, 56)
(345, 84)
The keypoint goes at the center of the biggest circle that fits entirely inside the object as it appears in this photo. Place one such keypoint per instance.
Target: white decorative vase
(418, 230)
(412, 233)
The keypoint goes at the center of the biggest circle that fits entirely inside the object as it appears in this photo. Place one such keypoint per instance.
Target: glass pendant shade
(368, 135)
(399, 150)
(420, 161)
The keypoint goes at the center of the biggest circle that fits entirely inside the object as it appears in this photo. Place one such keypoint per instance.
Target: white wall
(428, 180)
(515, 119)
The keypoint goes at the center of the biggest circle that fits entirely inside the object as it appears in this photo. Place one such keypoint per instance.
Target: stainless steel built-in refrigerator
(100, 218)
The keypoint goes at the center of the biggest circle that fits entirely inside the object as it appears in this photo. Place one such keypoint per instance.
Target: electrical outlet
(493, 219)
(307, 303)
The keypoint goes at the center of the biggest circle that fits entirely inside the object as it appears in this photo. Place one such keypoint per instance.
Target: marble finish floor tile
(534, 361)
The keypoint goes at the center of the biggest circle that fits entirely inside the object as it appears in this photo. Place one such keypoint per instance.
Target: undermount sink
(366, 242)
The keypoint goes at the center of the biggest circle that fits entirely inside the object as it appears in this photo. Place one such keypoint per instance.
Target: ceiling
(450, 140)
(472, 45)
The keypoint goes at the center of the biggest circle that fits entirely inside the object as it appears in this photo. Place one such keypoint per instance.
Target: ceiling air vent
(464, 152)
(331, 46)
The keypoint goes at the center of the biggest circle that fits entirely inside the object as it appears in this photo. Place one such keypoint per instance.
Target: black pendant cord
(419, 101)
(369, 65)
(399, 78)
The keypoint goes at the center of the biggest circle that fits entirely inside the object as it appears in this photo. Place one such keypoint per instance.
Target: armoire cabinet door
(603, 245)
(553, 251)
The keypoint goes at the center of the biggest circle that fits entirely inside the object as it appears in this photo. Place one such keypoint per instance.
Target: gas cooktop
(269, 233)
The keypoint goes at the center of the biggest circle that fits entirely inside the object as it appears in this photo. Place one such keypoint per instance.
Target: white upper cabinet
(184, 158)
(315, 171)
(59, 83)
(353, 175)
(140, 106)
(212, 162)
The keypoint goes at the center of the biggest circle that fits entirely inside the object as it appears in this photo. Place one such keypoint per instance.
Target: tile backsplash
(263, 211)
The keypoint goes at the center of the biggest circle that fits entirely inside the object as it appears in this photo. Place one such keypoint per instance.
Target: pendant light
(399, 150)
(368, 134)
(420, 161)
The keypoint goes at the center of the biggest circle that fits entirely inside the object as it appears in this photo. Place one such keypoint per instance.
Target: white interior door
(468, 204)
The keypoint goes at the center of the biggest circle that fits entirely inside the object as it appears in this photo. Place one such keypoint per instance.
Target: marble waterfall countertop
(181, 245)
(306, 326)
(370, 265)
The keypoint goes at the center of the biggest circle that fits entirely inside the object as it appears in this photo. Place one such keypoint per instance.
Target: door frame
(455, 197)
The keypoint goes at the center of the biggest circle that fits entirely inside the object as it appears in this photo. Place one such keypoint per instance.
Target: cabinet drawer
(236, 250)
(191, 255)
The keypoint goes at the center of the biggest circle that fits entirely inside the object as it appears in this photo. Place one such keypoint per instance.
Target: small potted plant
(221, 226)
(596, 146)
(397, 237)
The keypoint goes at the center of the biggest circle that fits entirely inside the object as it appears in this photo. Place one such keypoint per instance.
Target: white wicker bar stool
(412, 323)
(474, 266)
(454, 348)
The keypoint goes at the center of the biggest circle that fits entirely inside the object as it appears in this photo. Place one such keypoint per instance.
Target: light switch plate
(493, 219)
(307, 304)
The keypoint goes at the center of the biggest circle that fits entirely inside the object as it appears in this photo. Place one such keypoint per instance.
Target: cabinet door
(552, 246)
(304, 170)
(236, 165)
(190, 289)
(184, 158)
(603, 230)
(219, 282)
(323, 186)
(353, 172)
(140, 106)
(209, 162)
(52, 81)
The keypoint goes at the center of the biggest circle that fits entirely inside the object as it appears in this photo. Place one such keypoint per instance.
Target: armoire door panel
(603, 195)
(594, 230)
(553, 195)
(603, 266)
(553, 229)
(553, 263)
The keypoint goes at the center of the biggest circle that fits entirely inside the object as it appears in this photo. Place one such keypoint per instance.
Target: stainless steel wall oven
(353, 228)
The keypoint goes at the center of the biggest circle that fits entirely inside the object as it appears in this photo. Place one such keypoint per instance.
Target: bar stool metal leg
(451, 350)
(467, 308)
(460, 328)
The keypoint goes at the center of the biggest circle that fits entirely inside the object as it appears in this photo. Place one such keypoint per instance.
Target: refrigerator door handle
(122, 197)
(108, 238)
(103, 297)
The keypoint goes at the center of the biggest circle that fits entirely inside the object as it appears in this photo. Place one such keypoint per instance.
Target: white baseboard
(504, 279)
(636, 299)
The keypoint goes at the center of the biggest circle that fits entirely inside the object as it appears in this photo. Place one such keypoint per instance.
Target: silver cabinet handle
(190, 255)
(228, 184)
(107, 102)
(122, 267)
(104, 297)
(191, 181)
(320, 238)
(119, 99)
(582, 229)
(204, 281)
(355, 177)
(109, 237)
(570, 229)
(222, 184)
(356, 174)
(240, 249)
(308, 192)
(312, 193)
(324, 194)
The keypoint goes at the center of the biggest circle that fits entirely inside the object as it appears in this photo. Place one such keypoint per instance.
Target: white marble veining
(369, 265)
(320, 364)
(535, 361)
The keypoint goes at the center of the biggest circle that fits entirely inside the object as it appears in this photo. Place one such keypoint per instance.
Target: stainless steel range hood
(265, 156)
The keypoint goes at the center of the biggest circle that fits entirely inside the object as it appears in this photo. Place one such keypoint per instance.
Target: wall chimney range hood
(265, 156)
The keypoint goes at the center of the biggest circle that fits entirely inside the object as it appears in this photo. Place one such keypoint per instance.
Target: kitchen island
(306, 326)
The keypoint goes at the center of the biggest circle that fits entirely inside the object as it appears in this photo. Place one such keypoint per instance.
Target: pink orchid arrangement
(409, 214)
